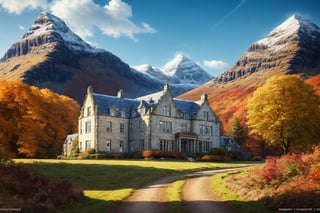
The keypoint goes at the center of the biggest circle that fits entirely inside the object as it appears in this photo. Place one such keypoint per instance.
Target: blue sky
(210, 32)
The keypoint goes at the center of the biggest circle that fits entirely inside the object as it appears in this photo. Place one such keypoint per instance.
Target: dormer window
(112, 111)
(166, 111)
(133, 113)
(122, 114)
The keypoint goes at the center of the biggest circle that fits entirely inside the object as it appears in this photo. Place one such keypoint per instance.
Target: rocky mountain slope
(181, 72)
(291, 48)
(50, 55)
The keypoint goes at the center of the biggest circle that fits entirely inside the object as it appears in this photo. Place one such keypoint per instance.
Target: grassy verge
(107, 182)
(173, 195)
(234, 201)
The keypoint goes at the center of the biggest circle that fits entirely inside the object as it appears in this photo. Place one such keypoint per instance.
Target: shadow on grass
(99, 176)
(201, 206)
(107, 182)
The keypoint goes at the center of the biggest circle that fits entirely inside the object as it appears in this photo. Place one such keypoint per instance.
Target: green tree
(237, 131)
(285, 112)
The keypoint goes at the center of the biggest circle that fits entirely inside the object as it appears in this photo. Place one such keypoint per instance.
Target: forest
(34, 122)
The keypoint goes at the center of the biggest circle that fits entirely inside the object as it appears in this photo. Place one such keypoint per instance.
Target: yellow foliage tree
(34, 122)
(285, 112)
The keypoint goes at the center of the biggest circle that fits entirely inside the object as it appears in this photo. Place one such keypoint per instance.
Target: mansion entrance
(187, 143)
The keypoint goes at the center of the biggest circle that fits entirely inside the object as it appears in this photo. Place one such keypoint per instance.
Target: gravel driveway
(196, 195)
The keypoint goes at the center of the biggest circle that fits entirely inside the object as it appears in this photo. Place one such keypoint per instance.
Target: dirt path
(196, 195)
(150, 198)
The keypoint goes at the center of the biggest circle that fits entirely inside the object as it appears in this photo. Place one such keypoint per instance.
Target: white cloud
(113, 19)
(18, 6)
(215, 64)
(83, 16)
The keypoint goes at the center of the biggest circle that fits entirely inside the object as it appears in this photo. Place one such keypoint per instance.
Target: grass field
(107, 182)
(233, 200)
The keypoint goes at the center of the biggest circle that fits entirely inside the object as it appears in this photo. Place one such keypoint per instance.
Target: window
(205, 130)
(165, 127)
(182, 115)
(109, 126)
(121, 128)
(206, 146)
(183, 127)
(141, 126)
(88, 145)
(122, 114)
(141, 144)
(88, 111)
(205, 115)
(121, 146)
(88, 126)
(200, 146)
(133, 113)
(165, 145)
(166, 111)
(108, 145)
(112, 111)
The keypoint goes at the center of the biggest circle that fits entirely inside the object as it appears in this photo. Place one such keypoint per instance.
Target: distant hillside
(291, 48)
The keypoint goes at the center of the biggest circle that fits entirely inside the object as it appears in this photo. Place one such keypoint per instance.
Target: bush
(209, 157)
(150, 154)
(293, 180)
(34, 193)
(217, 151)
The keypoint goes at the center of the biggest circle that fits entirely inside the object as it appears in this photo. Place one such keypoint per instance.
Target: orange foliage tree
(33, 121)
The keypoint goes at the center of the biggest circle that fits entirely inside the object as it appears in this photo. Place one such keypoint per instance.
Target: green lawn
(107, 182)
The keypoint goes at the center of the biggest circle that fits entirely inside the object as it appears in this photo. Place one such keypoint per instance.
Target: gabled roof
(105, 102)
(188, 107)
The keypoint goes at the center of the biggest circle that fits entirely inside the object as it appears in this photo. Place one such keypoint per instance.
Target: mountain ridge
(297, 52)
(179, 70)
(50, 55)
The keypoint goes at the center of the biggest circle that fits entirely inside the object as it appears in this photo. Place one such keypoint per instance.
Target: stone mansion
(157, 121)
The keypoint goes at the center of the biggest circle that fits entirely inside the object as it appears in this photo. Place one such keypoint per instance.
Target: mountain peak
(290, 28)
(54, 29)
(179, 60)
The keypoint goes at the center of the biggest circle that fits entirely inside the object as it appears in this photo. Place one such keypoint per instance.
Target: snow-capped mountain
(50, 55)
(293, 47)
(56, 29)
(179, 70)
(288, 47)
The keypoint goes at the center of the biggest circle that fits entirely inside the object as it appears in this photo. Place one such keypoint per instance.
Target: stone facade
(157, 122)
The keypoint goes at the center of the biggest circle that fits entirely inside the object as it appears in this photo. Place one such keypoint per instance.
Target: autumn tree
(285, 112)
(237, 131)
(34, 122)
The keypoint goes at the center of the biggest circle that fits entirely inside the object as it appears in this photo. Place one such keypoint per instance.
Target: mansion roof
(119, 103)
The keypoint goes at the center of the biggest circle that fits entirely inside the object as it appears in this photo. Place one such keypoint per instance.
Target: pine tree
(237, 131)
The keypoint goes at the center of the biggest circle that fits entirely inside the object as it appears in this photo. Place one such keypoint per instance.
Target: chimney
(166, 88)
(120, 94)
(89, 90)
(204, 98)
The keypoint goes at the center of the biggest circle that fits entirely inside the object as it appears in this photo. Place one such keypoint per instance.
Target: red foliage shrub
(208, 157)
(34, 193)
(270, 168)
(148, 154)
